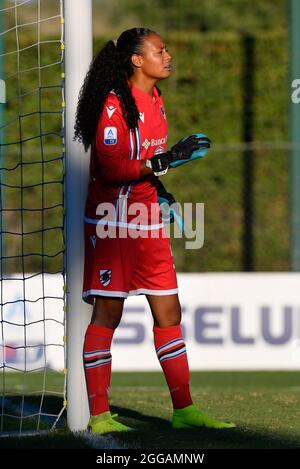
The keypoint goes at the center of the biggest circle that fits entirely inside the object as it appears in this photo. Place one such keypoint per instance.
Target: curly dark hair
(110, 70)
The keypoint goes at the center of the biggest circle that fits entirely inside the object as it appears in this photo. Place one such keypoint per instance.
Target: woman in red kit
(121, 115)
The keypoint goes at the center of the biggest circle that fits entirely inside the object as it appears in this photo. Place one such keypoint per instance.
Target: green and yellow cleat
(191, 417)
(105, 423)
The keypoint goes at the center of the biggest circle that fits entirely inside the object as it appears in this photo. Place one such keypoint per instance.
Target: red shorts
(120, 267)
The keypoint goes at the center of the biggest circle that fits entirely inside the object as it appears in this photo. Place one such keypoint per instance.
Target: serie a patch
(105, 277)
(110, 135)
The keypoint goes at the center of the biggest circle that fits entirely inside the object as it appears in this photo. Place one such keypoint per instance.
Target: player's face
(155, 59)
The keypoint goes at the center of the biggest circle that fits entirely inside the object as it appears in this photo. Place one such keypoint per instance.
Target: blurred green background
(230, 81)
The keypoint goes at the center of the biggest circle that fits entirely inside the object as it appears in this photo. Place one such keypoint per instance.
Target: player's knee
(170, 318)
(112, 323)
(107, 319)
(107, 313)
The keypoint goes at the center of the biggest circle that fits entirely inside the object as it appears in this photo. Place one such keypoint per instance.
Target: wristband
(148, 164)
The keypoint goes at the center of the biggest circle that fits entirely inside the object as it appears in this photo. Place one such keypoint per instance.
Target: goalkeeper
(121, 115)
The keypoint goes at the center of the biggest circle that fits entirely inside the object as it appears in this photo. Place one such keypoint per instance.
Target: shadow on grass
(27, 413)
(150, 432)
(155, 432)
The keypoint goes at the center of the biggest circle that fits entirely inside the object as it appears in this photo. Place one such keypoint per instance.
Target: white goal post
(78, 55)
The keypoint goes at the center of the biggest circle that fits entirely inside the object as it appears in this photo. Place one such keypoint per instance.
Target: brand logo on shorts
(93, 240)
(105, 277)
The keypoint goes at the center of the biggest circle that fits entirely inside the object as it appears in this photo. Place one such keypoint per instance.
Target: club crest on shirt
(110, 135)
(105, 277)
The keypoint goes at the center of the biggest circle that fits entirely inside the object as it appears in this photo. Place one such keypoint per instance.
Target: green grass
(264, 405)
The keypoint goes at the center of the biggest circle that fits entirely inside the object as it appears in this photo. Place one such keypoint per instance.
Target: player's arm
(170, 210)
(161, 190)
(112, 147)
(165, 200)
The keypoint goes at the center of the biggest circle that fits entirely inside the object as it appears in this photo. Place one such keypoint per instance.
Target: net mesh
(32, 351)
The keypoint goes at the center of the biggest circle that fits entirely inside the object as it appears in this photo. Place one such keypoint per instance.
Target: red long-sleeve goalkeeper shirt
(117, 151)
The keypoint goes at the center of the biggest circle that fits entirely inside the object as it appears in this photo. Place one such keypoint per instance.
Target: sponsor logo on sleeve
(110, 135)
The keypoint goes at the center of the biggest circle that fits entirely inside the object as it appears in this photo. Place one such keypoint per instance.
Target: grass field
(264, 405)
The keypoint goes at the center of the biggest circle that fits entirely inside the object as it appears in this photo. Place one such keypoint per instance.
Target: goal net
(32, 247)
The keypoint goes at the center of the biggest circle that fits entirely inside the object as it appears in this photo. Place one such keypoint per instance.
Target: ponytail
(110, 70)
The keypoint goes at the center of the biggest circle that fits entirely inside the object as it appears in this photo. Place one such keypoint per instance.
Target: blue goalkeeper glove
(168, 206)
(192, 147)
(204, 145)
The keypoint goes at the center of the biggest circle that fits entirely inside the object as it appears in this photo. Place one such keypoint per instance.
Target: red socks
(171, 352)
(97, 364)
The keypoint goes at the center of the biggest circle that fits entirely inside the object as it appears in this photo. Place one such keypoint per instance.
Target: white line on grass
(100, 441)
